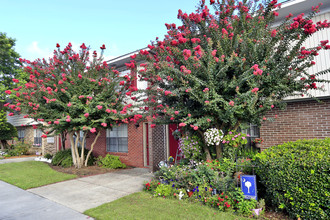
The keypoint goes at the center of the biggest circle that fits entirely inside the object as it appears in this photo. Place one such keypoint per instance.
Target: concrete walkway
(89, 192)
(15, 160)
(18, 204)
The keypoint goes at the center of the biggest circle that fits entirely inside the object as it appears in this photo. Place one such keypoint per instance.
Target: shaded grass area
(142, 205)
(31, 174)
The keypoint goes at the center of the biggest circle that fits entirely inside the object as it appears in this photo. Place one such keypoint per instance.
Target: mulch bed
(275, 215)
(84, 171)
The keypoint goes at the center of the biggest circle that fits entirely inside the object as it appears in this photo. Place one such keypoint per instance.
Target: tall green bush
(295, 177)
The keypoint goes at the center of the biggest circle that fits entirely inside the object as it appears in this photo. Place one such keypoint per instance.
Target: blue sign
(249, 186)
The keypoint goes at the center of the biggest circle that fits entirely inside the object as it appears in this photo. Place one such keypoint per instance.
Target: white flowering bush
(191, 148)
(213, 136)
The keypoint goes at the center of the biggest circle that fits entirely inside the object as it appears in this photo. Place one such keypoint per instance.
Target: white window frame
(37, 141)
(21, 133)
(117, 139)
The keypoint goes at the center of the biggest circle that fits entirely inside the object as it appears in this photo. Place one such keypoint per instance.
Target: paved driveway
(18, 204)
(89, 192)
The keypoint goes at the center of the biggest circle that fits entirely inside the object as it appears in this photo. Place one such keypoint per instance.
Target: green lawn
(30, 174)
(143, 206)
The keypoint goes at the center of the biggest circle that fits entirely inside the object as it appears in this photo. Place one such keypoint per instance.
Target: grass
(30, 174)
(142, 205)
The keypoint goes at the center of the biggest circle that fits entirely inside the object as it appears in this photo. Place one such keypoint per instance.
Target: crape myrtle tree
(222, 69)
(71, 93)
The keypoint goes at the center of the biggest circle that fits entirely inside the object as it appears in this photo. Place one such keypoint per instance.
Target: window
(254, 132)
(21, 134)
(117, 140)
(37, 138)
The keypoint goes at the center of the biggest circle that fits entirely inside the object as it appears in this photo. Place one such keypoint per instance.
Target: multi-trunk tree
(229, 65)
(72, 92)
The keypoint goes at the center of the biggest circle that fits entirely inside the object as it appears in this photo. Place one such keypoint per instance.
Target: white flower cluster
(213, 136)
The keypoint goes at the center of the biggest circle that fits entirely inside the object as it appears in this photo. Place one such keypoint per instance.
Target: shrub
(18, 149)
(7, 131)
(48, 156)
(295, 177)
(110, 161)
(61, 158)
(22, 148)
(67, 162)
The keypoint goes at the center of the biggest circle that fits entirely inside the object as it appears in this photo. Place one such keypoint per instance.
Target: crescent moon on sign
(244, 180)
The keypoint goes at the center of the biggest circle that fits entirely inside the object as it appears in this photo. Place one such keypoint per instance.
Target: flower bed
(211, 183)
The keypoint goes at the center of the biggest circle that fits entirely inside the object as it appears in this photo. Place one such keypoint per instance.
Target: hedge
(295, 177)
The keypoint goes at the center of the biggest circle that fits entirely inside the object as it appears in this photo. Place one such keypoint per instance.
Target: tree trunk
(82, 155)
(63, 139)
(238, 123)
(207, 152)
(74, 151)
(205, 148)
(219, 151)
(92, 146)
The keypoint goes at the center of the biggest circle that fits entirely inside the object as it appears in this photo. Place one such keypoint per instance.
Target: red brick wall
(134, 157)
(300, 120)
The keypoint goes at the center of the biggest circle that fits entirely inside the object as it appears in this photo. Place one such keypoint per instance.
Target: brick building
(304, 117)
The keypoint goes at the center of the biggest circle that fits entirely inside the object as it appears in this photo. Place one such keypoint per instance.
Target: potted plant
(257, 142)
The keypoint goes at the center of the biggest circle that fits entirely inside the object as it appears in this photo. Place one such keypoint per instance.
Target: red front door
(173, 143)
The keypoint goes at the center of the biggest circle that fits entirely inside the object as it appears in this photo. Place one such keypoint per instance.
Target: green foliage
(67, 162)
(7, 130)
(216, 173)
(19, 148)
(64, 158)
(9, 63)
(233, 141)
(244, 165)
(110, 161)
(48, 156)
(223, 165)
(247, 152)
(164, 190)
(60, 156)
(245, 206)
(295, 176)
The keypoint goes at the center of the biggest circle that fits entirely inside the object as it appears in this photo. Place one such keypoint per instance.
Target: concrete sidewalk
(18, 204)
(89, 192)
(15, 160)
